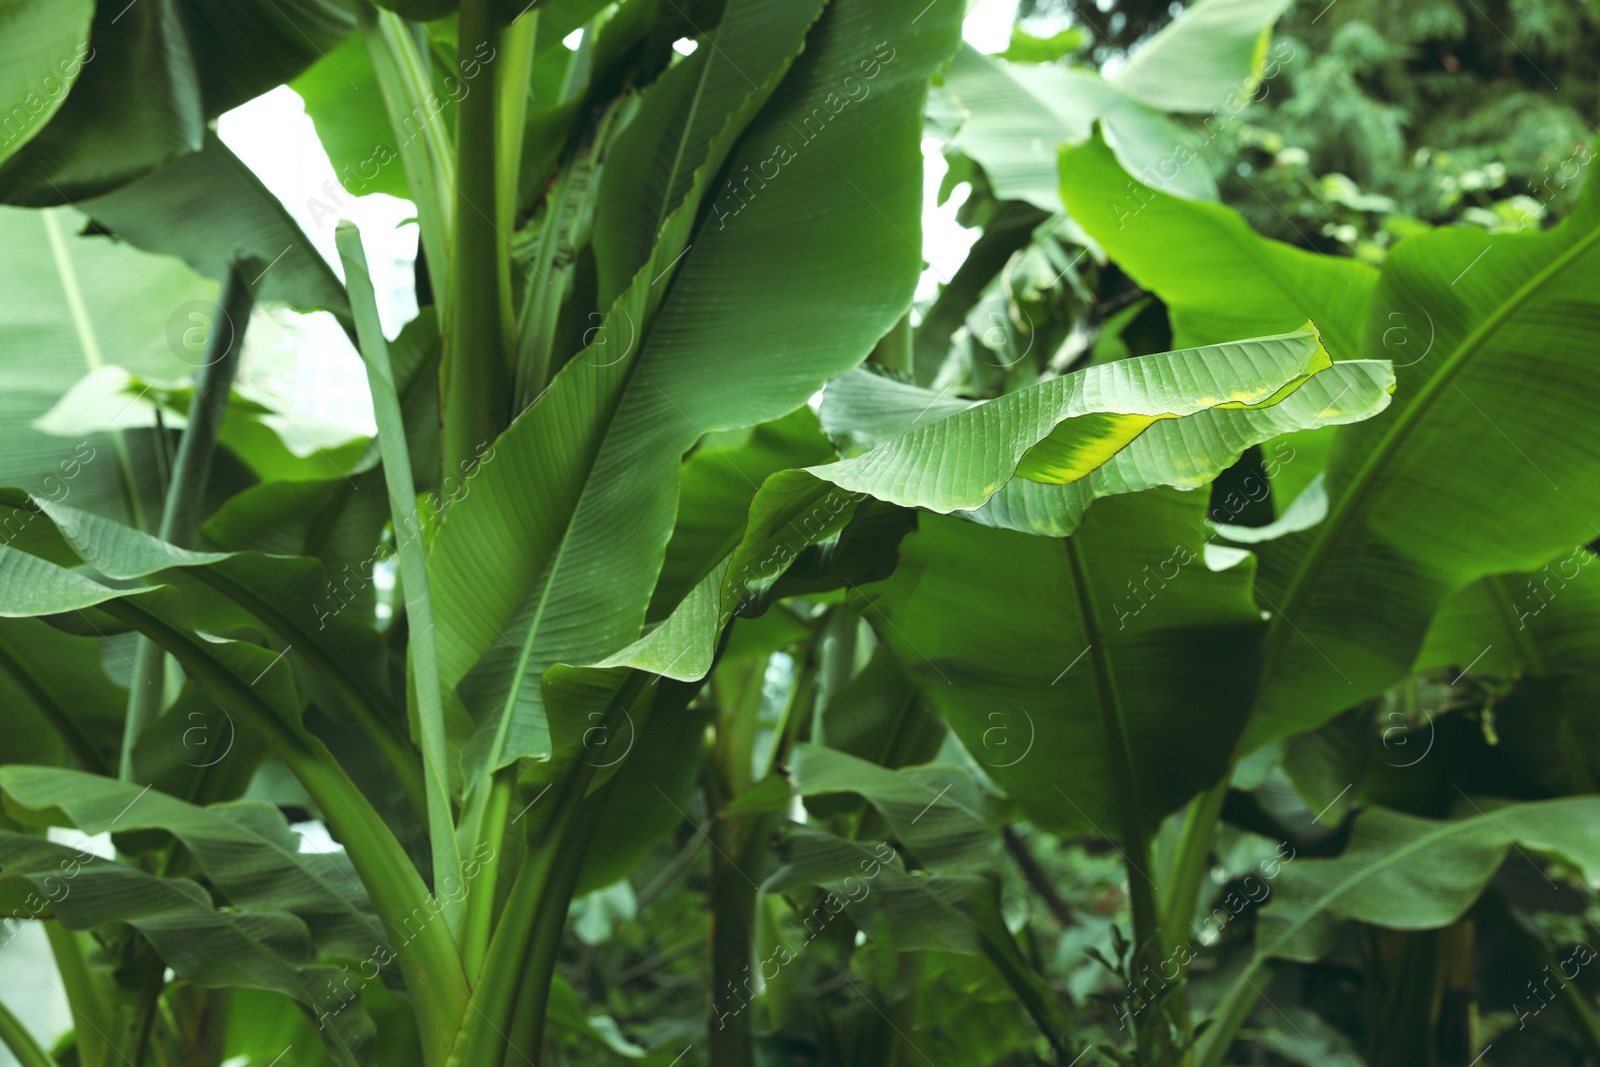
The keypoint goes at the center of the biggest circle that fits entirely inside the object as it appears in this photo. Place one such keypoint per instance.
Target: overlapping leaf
(1510, 350)
(604, 444)
(1015, 117)
(1038, 457)
(160, 70)
(251, 948)
(1403, 873)
(245, 848)
(1027, 645)
(209, 210)
(1220, 280)
(1213, 50)
(50, 42)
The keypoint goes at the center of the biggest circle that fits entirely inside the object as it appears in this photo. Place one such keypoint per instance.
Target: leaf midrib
(1399, 430)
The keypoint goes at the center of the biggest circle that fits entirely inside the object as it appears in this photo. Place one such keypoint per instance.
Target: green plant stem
(1182, 884)
(485, 822)
(427, 956)
(422, 650)
(512, 71)
(1191, 862)
(533, 992)
(477, 316)
(186, 492)
(567, 218)
(1037, 877)
(894, 350)
(1230, 1013)
(483, 1036)
(15, 1037)
(1119, 747)
(424, 145)
(90, 1019)
(740, 848)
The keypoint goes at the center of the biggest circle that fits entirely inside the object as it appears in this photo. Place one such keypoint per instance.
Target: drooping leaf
(209, 210)
(289, 597)
(1026, 644)
(590, 548)
(1407, 527)
(1219, 279)
(1040, 456)
(1213, 50)
(1403, 873)
(935, 810)
(1015, 118)
(51, 43)
(255, 948)
(245, 848)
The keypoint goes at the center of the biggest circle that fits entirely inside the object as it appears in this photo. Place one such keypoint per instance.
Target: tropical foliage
(1167, 641)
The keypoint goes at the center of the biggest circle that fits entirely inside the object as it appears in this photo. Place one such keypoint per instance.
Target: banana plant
(678, 548)
(621, 259)
(1367, 583)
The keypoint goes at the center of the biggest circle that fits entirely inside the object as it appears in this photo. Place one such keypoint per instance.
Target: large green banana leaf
(1015, 117)
(1210, 58)
(160, 70)
(1220, 280)
(244, 847)
(290, 597)
(578, 505)
(1083, 453)
(50, 42)
(1461, 479)
(1036, 459)
(133, 107)
(1029, 645)
(251, 948)
(646, 175)
(1403, 873)
(253, 686)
